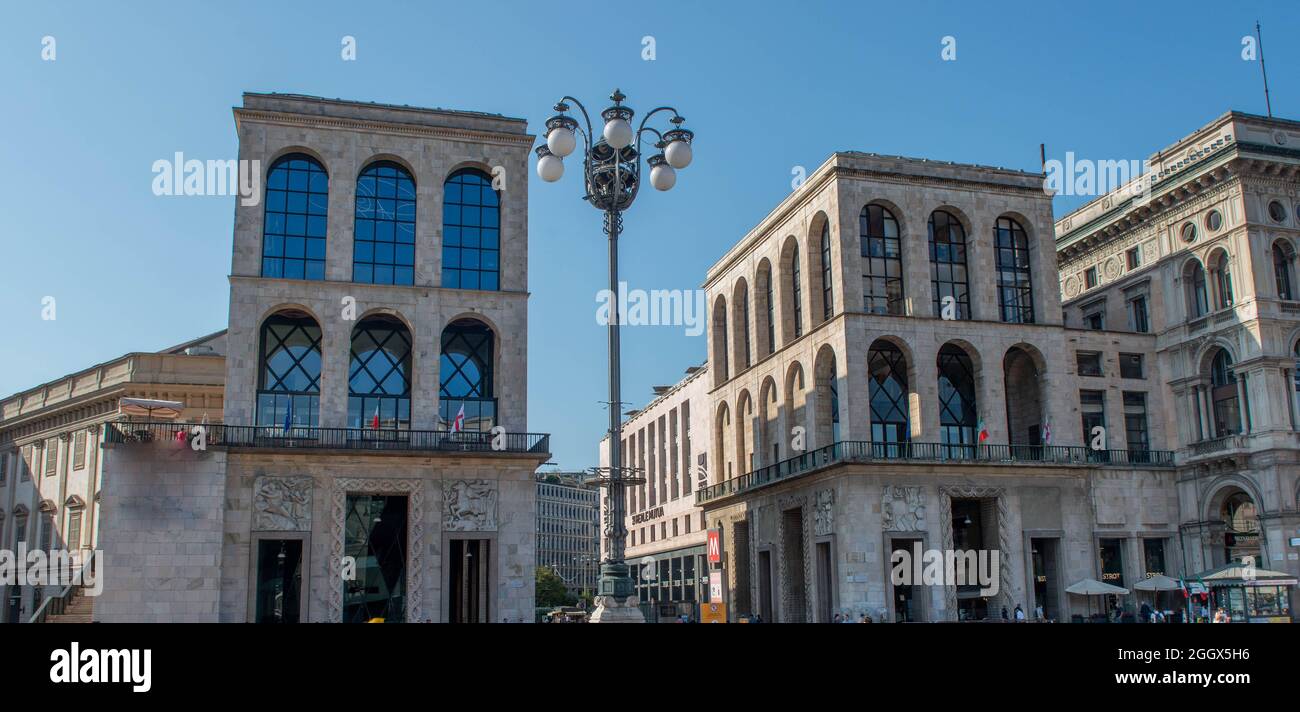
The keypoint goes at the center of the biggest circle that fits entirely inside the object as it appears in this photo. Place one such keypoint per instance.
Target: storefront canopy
(1237, 573)
(1159, 582)
(1092, 587)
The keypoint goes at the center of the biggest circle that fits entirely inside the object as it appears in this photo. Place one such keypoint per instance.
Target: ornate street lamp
(611, 167)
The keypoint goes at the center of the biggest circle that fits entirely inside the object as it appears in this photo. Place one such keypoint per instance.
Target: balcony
(308, 438)
(861, 452)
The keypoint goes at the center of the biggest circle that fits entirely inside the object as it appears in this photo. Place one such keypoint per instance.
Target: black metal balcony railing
(860, 451)
(310, 438)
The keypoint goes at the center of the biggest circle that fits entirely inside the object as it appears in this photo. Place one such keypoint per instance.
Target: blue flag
(288, 415)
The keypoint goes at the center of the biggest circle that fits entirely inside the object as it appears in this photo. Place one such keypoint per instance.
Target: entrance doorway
(906, 598)
(765, 586)
(279, 581)
(974, 529)
(469, 580)
(824, 582)
(1047, 585)
(375, 539)
(795, 587)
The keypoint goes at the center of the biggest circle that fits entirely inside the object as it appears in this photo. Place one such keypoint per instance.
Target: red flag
(458, 424)
(375, 423)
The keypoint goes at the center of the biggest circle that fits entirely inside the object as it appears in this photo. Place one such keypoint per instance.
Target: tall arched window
(957, 415)
(828, 283)
(384, 242)
(1222, 280)
(765, 282)
(1282, 271)
(882, 261)
(948, 264)
(293, 229)
(1198, 303)
(1223, 394)
(379, 377)
(471, 231)
(744, 346)
(466, 369)
(288, 386)
(720, 346)
(1015, 286)
(887, 370)
(796, 290)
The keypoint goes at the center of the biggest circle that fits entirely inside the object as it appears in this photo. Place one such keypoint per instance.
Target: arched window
(1222, 281)
(828, 284)
(948, 264)
(882, 261)
(1198, 303)
(1015, 286)
(957, 415)
(379, 377)
(384, 243)
(1282, 259)
(764, 287)
(1241, 526)
(742, 319)
(288, 386)
(796, 290)
(471, 231)
(1223, 394)
(887, 370)
(466, 370)
(720, 345)
(293, 229)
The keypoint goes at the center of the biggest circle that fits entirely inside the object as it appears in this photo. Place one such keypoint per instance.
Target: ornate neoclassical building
(373, 461)
(1204, 260)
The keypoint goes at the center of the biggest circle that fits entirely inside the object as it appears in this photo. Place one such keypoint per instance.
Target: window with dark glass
(288, 390)
(1223, 394)
(771, 312)
(1015, 289)
(1089, 363)
(796, 289)
(887, 370)
(467, 379)
(384, 239)
(957, 415)
(279, 581)
(379, 375)
(1090, 277)
(1198, 303)
(1135, 420)
(471, 231)
(882, 261)
(374, 536)
(293, 230)
(1130, 366)
(1137, 314)
(1112, 561)
(1092, 407)
(744, 324)
(1133, 257)
(1223, 282)
(948, 279)
(1153, 552)
(828, 284)
(1095, 320)
(1282, 259)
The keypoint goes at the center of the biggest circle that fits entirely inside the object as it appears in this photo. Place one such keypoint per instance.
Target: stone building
(568, 529)
(374, 460)
(889, 372)
(51, 466)
(1200, 255)
(666, 442)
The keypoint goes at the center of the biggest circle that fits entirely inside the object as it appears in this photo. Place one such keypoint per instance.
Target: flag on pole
(288, 415)
(374, 423)
(1047, 432)
(458, 424)
(982, 430)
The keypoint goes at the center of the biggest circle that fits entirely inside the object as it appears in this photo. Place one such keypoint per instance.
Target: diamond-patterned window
(379, 378)
(466, 372)
(1015, 288)
(957, 415)
(882, 261)
(948, 264)
(289, 382)
(887, 370)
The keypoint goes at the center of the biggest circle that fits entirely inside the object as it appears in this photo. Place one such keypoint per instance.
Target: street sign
(715, 546)
(713, 613)
(715, 586)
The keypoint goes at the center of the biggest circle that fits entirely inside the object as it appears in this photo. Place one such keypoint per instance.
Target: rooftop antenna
(1259, 39)
(1042, 156)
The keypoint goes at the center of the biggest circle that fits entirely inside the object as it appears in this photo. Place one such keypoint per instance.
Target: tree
(550, 589)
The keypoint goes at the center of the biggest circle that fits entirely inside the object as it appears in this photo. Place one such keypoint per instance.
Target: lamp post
(611, 166)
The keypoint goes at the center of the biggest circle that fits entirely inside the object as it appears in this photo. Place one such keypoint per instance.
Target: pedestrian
(1144, 613)
(1038, 612)
(836, 618)
(1020, 614)
(1004, 613)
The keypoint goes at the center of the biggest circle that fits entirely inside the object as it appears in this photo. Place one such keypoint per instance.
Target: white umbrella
(1092, 587)
(1159, 582)
(150, 408)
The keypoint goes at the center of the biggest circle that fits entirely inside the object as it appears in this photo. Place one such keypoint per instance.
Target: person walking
(1020, 614)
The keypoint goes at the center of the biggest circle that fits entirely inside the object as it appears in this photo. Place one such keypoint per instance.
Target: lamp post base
(612, 610)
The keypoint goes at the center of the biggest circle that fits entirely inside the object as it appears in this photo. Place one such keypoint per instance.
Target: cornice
(373, 126)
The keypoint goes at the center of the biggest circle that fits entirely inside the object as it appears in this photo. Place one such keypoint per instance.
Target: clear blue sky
(765, 85)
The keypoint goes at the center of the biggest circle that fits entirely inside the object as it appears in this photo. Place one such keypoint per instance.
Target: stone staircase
(79, 610)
